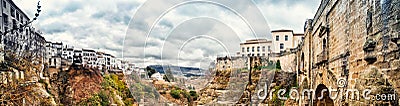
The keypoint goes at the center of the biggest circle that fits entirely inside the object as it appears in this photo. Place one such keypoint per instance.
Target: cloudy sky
(165, 32)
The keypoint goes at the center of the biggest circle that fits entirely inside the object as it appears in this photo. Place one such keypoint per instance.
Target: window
(17, 16)
(242, 49)
(4, 4)
(21, 28)
(12, 12)
(248, 49)
(258, 48)
(277, 38)
(258, 54)
(286, 37)
(5, 19)
(269, 48)
(21, 18)
(263, 54)
(281, 46)
(252, 49)
(14, 23)
(263, 48)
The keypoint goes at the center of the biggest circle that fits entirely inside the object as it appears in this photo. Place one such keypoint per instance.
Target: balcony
(322, 57)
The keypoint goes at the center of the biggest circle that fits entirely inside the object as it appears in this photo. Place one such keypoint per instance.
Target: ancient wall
(354, 40)
(287, 62)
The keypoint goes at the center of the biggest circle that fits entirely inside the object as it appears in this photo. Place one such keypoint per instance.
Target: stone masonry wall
(356, 41)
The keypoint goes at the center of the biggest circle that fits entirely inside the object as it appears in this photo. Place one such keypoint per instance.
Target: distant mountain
(178, 70)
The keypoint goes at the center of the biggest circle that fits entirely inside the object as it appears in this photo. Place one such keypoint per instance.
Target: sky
(192, 34)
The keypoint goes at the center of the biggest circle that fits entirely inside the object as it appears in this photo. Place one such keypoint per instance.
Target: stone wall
(349, 39)
(287, 61)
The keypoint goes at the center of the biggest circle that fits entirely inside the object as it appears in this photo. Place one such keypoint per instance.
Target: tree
(193, 94)
(150, 71)
(278, 65)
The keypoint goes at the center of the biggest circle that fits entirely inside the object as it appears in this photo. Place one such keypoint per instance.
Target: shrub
(100, 99)
(104, 98)
(278, 65)
(193, 94)
(186, 94)
(175, 94)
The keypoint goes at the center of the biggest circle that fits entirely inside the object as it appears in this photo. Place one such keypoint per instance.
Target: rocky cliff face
(220, 82)
(29, 82)
(85, 86)
(282, 80)
(19, 83)
(74, 85)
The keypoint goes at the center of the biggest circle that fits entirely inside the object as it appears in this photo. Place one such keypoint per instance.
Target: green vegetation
(275, 100)
(175, 93)
(273, 66)
(194, 94)
(113, 82)
(190, 87)
(111, 87)
(179, 93)
(99, 99)
(243, 70)
(143, 90)
(278, 65)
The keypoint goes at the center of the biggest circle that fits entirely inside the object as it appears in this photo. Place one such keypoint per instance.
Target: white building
(118, 64)
(109, 60)
(89, 57)
(105, 61)
(157, 76)
(101, 61)
(141, 72)
(22, 41)
(256, 47)
(128, 68)
(53, 49)
(124, 65)
(53, 54)
(285, 40)
(68, 54)
(77, 60)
